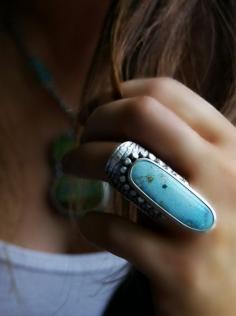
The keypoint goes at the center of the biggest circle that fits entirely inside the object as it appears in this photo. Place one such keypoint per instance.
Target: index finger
(199, 114)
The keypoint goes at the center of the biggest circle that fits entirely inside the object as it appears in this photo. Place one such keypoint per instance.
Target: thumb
(138, 245)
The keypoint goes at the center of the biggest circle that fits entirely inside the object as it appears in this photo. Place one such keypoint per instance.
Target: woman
(178, 120)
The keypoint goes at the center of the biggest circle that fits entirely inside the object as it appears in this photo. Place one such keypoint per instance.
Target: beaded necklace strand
(70, 195)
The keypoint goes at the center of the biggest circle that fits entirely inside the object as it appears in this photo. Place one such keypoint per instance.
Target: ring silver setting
(119, 168)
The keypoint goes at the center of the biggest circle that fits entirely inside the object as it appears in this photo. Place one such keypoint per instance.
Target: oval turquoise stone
(77, 195)
(174, 197)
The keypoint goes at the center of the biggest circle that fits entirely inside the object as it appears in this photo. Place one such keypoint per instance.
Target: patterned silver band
(118, 170)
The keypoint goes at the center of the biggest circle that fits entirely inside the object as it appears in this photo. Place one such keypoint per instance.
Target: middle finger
(146, 121)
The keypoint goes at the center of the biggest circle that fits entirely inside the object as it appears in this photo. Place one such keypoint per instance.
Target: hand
(189, 276)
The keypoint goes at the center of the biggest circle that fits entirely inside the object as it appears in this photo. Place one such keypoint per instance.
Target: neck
(64, 21)
(64, 34)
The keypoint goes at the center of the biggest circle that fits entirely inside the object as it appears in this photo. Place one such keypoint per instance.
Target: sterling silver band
(118, 172)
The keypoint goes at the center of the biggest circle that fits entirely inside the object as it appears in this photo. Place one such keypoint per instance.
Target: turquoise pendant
(62, 145)
(71, 195)
(176, 200)
(76, 196)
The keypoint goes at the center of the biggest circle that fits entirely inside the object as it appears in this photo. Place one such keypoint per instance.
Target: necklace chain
(70, 195)
(46, 79)
(44, 76)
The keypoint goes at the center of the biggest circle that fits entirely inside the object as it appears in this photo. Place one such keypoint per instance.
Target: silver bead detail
(151, 156)
(123, 169)
(127, 162)
(144, 154)
(140, 200)
(134, 155)
(168, 169)
(126, 187)
(161, 163)
(122, 179)
(133, 193)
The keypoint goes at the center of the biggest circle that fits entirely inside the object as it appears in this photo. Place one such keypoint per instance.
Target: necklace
(70, 195)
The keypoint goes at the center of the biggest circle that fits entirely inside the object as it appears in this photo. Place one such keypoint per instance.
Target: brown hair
(192, 41)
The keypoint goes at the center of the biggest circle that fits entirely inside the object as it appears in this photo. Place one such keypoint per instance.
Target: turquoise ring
(156, 189)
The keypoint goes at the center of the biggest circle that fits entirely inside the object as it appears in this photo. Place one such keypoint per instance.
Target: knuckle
(160, 86)
(137, 111)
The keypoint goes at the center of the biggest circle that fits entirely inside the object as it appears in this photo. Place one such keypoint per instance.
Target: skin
(190, 274)
(30, 119)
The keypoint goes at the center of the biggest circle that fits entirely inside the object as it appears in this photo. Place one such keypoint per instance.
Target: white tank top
(34, 283)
